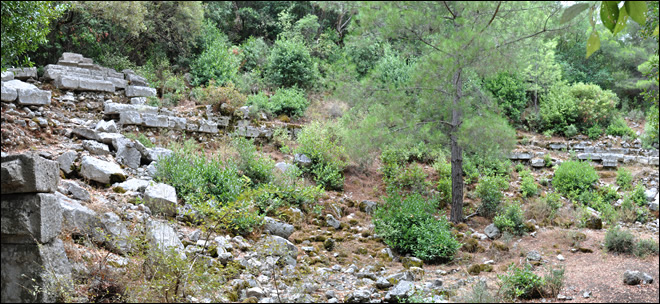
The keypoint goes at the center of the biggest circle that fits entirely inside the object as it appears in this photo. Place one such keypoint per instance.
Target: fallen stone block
(30, 218)
(108, 138)
(114, 236)
(137, 91)
(77, 218)
(96, 85)
(101, 171)
(85, 133)
(155, 121)
(133, 184)
(8, 75)
(162, 236)
(278, 228)
(28, 173)
(95, 147)
(66, 161)
(106, 126)
(9, 94)
(154, 154)
(128, 153)
(28, 94)
(135, 80)
(161, 198)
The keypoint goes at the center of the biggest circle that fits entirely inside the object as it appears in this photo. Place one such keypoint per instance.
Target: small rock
(534, 255)
(560, 257)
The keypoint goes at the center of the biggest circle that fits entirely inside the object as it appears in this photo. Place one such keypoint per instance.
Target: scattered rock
(161, 198)
(278, 228)
(101, 171)
(492, 232)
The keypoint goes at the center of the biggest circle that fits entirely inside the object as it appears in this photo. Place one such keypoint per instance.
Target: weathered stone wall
(33, 259)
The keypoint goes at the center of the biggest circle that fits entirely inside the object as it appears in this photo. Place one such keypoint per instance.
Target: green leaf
(636, 10)
(609, 13)
(593, 44)
(621, 22)
(573, 11)
(655, 32)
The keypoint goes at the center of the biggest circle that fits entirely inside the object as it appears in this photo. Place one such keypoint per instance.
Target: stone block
(106, 126)
(9, 94)
(177, 123)
(28, 94)
(66, 160)
(67, 82)
(154, 154)
(138, 91)
(155, 121)
(655, 161)
(118, 83)
(136, 80)
(29, 267)
(96, 85)
(223, 121)
(161, 198)
(138, 100)
(7, 76)
(30, 218)
(24, 73)
(77, 218)
(72, 57)
(592, 156)
(130, 118)
(162, 236)
(85, 133)
(28, 173)
(208, 126)
(101, 171)
(95, 147)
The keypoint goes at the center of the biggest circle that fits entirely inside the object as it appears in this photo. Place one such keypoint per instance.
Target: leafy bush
(624, 179)
(651, 137)
(595, 105)
(607, 211)
(619, 128)
(554, 280)
(290, 64)
(258, 168)
(521, 283)
(519, 167)
(408, 226)
(443, 168)
(619, 241)
(570, 131)
(574, 177)
(608, 193)
(558, 108)
(219, 62)
(528, 186)
(489, 190)
(545, 208)
(646, 247)
(594, 132)
(509, 91)
(510, 219)
(392, 69)
(364, 53)
(291, 102)
(638, 196)
(255, 54)
(321, 145)
(629, 212)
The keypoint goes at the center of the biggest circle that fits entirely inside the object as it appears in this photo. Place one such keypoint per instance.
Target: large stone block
(130, 118)
(208, 126)
(30, 218)
(136, 80)
(155, 121)
(119, 83)
(72, 57)
(7, 76)
(66, 160)
(177, 123)
(96, 85)
(28, 94)
(9, 94)
(137, 91)
(30, 267)
(162, 236)
(28, 173)
(67, 82)
(161, 198)
(77, 218)
(101, 171)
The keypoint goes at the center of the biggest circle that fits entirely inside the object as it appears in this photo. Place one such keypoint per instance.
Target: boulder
(28, 173)
(133, 184)
(30, 218)
(76, 217)
(283, 167)
(278, 228)
(368, 206)
(411, 262)
(332, 221)
(492, 232)
(106, 126)
(277, 246)
(66, 161)
(302, 160)
(636, 277)
(76, 191)
(533, 255)
(115, 234)
(594, 222)
(85, 133)
(95, 147)
(651, 194)
(153, 154)
(128, 153)
(9, 94)
(161, 236)
(101, 171)
(400, 293)
(8, 75)
(358, 296)
(161, 198)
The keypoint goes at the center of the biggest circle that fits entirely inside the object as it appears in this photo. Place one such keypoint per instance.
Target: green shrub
(545, 208)
(608, 193)
(321, 145)
(510, 219)
(629, 212)
(519, 167)
(443, 168)
(528, 187)
(619, 128)
(558, 108)
(521, 283)
(392, 69)
(570, 131)
(290, 64)
(638, 196)
(619, 241)
(650, 137)
(219, 61)
(258, 168)
(574, 177)
(646, 247)
(607, 211)
(255, 54)
(489, 190)
(594, 132)
(142, 139)
(510, 92)
(364, 53)
(410, 178)
(408, 226)
(547, 160)
(624, 179)
(554, 280)
(211, 94)
(290, 102)
(595, 105)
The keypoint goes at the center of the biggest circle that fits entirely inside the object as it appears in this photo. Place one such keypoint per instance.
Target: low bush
(290, 63)
(291, 102)
(408, 226)
(629, 212)
(646, 247)
(573, 178)
(528, 187)
(142, 139)
(521, 282)
(489, 190)
(624, 179)
(510, 219)
(322, 146)
(570, 131)
(619, 241)
(257, 168)
(545, 208)
(638, 195)
(411, 178)
(619, 128)
(594, 132)
(650, 137)
(213, 94)
(443, 168)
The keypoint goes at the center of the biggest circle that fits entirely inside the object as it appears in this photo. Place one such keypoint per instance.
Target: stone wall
(34, 264)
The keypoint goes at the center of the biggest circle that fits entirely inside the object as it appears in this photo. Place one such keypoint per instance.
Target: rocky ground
(329, 256)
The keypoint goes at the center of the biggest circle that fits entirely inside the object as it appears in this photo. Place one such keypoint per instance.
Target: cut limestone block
(161, 198)
(136, 91)
(29, 173)
(30, 218)
(101, 171)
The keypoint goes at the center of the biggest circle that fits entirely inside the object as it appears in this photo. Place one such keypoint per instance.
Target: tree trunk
(456, 154)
